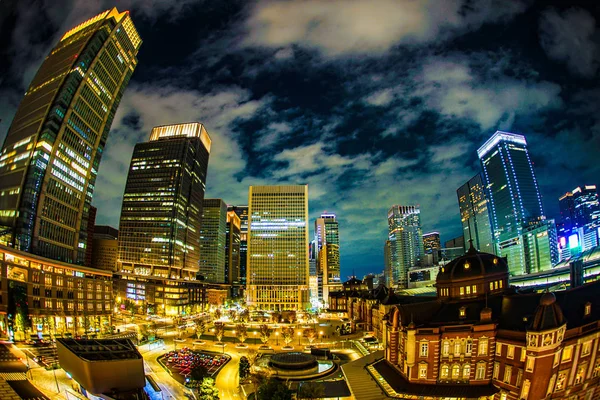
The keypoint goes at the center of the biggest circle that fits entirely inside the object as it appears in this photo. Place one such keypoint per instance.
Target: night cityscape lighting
(144, 258)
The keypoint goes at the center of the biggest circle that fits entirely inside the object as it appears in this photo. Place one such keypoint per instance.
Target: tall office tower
(105, 247)
(567, 211)
(278, 247)
(579, 229)
(514, 196)
(212, 240)
(242, 212)
(406, 241)
(387, 264)
(327, 238)
(89, 245)
(51, 155)
(315, 288)
(458, 241)
(232, 248)
(431, 246)
(475, 215)
(159, 232)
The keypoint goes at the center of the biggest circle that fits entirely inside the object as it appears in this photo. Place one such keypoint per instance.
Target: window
(48, 303)
(468, 289)
(503, 396)
(530, 364)
(496, 285)
(424, 350)
(500, 284)
(519, 377)
(474, 289)
(483, 346)
(507, 374)
(48, 280)
(556, 359)
(523, 354)
(469, 348)
(480, 371)
(498, 349)
(596, 372)
(496, 370)
(455, 371)
(462, 290)
(510, 353)
(457, 348)
(560, 381)
(444, 371)
(525, 390)
(445, 347)
(586, 348)
(580, 374)
(567, 353)
(422, 371)
(491, 285)
(466, 371)
(59, 281)
(462, 312)
(587, 309)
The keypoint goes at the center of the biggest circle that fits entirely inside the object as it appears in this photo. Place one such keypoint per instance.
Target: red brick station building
(482, 339)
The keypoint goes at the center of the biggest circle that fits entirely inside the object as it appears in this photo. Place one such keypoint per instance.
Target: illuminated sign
(562, 242)
(573, 241)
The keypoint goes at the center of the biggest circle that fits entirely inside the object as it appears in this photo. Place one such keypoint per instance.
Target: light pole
(255, 340)
(321, 335)
(277, 338)
(299, 337)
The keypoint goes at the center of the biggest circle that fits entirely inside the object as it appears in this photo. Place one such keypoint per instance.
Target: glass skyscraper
(278, 247)
(212, 240)
(242, 212)
(159, 232)
(406, 242)
(327, 240)
(232, 248)
(52, 152)
(475, 214)
(515, 201)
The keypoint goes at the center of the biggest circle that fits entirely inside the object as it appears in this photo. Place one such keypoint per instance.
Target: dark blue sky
(372, 103)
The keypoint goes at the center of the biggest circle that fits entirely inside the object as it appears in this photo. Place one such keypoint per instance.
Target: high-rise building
(242, 212)
(159, 232)
(327, 249)
(579, 229)
(232, 248)
(514, 198)
(475, 215)
(458, 241)
(387, 264)
(212, 240)
(278, 274)
(406, 242)
(105, 247)
(89, 245)
(431, 242)
(52, 152)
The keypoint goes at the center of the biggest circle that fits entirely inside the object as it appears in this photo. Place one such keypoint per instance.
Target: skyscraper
(212, 240)
(242, 212)
(475, 215)
(406, 242)
(431, 247)
(579, 228)
(232, 248)
(387, 264)
(514, 197)
(52, 152)
(278, 247)
(327, 249)
(159, 232)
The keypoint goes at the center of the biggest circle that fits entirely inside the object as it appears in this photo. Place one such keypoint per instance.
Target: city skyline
(364, 139)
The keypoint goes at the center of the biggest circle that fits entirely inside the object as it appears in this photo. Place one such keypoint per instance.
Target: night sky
(372, 103)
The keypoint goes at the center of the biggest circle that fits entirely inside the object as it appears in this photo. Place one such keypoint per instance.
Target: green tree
(288, 334)
(244, 369)
(311, 335)
(217, 314)
(208, 391)
(252, 356)
(273, 389)
(311, 390)
(265, 333)
(219, 330)
(241, 331)
(200, 327)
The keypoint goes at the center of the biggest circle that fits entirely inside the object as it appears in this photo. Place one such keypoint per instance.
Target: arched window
(444, 371)
(455, 371)
(457, 347)
(466, 371)
(445, 347)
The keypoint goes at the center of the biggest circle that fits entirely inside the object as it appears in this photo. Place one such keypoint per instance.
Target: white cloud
(355, 26)
(380, 98)
(571, 37)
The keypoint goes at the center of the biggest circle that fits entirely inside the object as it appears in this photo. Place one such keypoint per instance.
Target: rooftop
(102, 349)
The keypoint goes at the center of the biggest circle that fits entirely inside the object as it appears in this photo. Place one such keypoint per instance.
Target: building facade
(327, 240)
(52, 152)
(475, 214)
(105, 247)
(242, 212)
(212, 241)
(514, 198)
(406, 242)
(39, 296)
(232, 248)
(277, 271)
(579, 228)
(159, 231)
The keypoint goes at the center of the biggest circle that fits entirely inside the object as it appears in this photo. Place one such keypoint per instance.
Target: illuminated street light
(321, 335)
(299, 337)
(277, 338)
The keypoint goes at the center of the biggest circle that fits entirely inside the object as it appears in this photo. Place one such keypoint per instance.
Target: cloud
(353, 26)
(159, 105)
(571, 37)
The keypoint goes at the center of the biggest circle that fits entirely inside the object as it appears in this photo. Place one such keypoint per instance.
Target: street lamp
(299, 337)
(321, 335)
(277, 338)
(255, 340)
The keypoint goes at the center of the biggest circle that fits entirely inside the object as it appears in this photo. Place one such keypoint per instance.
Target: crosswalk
(13, 376)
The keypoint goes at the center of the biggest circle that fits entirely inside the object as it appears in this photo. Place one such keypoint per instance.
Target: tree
(257, 378)
(288, 334)
(200, 327)
(179, 326)
(253, 355)
(273, 389)
(276, 317)
(208, 391)
(217, 313)
(242, 332)
(244, 369)
(219, 330)
(244, 315)
(199, 373)
(265, 333)
(232, 314)
(311, 390)
(311, 335)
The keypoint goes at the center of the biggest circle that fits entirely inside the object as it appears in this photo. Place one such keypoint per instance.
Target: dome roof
(548, 314)
(473, 264)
